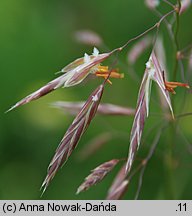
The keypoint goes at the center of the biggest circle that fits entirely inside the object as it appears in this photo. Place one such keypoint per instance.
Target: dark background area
(37, 40)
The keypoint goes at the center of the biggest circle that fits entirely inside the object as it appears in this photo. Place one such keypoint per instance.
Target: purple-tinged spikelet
(119, 185)
(73, 134)
(119, 191)
(103, 109)
(74, 73)
(97, 175)
(153, 72)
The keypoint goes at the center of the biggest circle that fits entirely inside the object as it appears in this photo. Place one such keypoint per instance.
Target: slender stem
(182, 70)
(186, 48)
(169, 163)
(139, 36)
(184, 115)
(176, 39)
(167, 24)
(146, 160)
(156, 25)
(169, 156)
(140, 182)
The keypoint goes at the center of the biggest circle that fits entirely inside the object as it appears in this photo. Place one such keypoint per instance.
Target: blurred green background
(37, 40)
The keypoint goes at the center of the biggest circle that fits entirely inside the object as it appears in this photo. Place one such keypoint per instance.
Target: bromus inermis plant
(84, 111)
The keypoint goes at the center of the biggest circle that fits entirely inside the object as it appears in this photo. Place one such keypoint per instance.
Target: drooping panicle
(97, 175)
(73, 134)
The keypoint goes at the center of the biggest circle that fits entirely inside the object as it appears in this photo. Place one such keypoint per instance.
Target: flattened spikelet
(103, 109)
(74, 73)
(97, 175)
(73, 134)
(153, 72)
